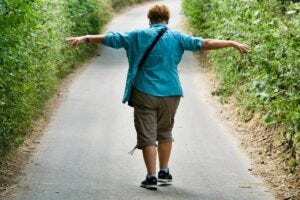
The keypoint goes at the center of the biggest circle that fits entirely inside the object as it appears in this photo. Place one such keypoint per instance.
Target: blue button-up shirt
(159, 75)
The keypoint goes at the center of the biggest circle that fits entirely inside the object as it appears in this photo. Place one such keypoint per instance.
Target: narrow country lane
(84, 153)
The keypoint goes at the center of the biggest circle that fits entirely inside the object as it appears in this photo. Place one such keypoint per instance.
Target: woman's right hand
(75, 41)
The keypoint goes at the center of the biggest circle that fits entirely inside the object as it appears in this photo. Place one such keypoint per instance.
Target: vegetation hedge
(34, 56)
(267, 80)
(119, 4)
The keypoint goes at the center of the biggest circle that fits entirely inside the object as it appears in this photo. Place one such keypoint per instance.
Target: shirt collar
(158, 25)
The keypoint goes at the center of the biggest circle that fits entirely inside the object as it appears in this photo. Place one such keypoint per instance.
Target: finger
(75, 43)
(248, 48)
(245, 48)
(241, 49)
(70, 38)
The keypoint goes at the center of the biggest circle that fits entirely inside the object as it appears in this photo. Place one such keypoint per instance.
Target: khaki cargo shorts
(153, 117)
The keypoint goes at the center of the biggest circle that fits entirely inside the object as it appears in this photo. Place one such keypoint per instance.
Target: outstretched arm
(211, 44)
(75, 41)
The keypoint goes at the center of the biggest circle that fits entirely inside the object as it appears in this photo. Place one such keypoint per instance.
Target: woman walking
(153, 87)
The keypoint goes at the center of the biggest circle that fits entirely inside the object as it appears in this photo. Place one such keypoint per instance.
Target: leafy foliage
(34, 55)
(266, 80)
(119, 4)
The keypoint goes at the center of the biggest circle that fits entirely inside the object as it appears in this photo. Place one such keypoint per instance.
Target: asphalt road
(83, 155)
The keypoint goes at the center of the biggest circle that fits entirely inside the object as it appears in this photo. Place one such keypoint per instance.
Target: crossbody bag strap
(160, 34)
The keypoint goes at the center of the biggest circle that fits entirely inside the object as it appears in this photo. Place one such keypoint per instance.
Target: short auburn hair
(159, 13)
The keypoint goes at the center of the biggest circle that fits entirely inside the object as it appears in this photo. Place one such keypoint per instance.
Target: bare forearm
(95, 38)
(75, 41)
(211, 44)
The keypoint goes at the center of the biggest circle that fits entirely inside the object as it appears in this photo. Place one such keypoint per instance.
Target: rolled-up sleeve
(116, 40)
(191, 43)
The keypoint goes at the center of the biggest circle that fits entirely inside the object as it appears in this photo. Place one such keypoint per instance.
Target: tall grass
(266, 81)
(34, 56)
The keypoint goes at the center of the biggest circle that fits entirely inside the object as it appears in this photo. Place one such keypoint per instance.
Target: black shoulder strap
(160, 33)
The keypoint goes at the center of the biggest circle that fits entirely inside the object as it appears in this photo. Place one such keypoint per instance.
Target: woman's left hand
(243, 48)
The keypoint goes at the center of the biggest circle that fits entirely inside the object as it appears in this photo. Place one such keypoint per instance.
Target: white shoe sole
(164, 181)
(149, 187)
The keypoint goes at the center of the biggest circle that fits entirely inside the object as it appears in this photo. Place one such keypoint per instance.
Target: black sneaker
(150, 183)
(164, 177)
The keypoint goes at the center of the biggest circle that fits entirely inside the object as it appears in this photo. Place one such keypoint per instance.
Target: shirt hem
(158, 95)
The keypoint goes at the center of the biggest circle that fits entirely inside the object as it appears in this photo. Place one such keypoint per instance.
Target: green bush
(119, 4)
(34, 55)
(266, 80)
